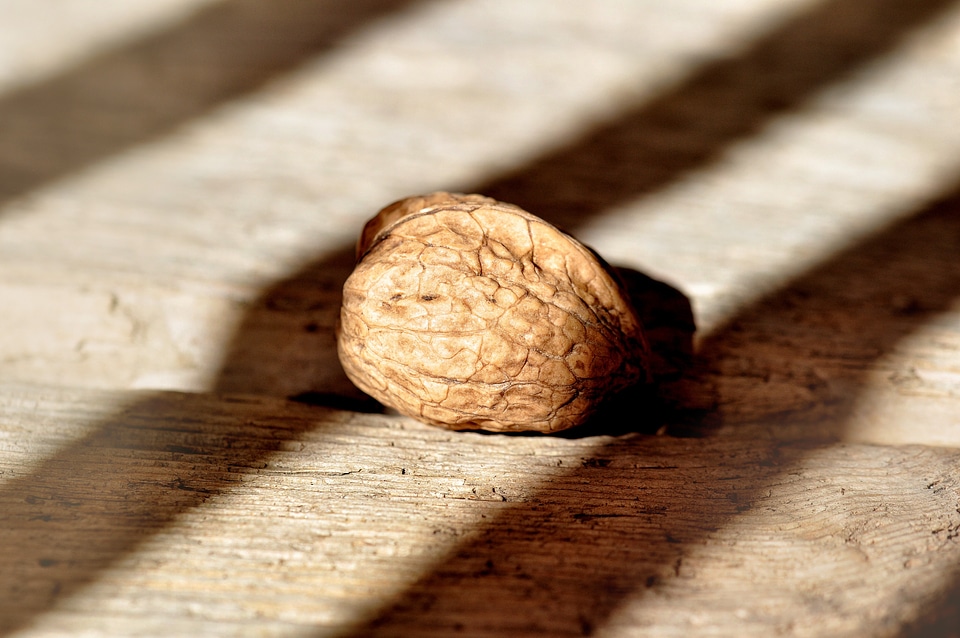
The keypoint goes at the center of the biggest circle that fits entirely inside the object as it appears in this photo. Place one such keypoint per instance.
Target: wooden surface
(181, 182)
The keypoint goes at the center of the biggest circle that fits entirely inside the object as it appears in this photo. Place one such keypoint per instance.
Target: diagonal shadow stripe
(103, 106)
(151, 461)
(542, 552)
(721, 103)
(126, 96)
(270, 324)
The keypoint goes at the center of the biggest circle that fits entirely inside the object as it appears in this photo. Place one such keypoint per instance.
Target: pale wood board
(180, 187)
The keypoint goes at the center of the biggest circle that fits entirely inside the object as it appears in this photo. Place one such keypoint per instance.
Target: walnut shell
(469, 313)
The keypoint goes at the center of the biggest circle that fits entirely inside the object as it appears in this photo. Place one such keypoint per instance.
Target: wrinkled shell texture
(469, 313)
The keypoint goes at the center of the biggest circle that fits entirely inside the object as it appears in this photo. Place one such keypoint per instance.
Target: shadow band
(127, 96)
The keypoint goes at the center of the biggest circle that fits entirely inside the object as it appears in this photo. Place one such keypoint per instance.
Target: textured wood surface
(181, 184)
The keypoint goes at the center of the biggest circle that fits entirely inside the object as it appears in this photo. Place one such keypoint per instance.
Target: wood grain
(278, 513)
(181, 454)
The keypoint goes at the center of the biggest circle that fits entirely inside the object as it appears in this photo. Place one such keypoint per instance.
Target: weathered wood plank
(790, 168)
(120, 509)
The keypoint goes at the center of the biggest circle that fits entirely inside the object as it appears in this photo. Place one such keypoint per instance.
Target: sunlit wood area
(181, 186)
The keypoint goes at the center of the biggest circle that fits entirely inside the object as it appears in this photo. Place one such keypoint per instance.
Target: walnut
(469, 313)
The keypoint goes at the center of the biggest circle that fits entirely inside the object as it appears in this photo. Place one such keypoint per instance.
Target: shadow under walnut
(469, 313)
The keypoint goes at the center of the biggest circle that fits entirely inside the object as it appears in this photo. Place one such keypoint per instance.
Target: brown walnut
(469, 313)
